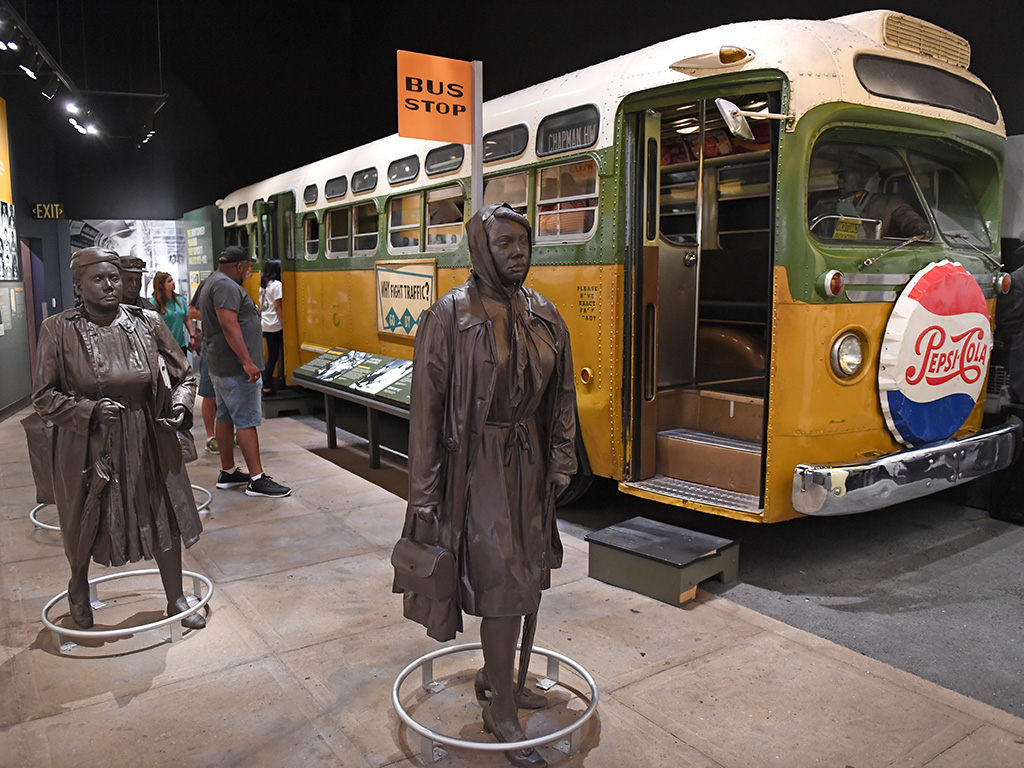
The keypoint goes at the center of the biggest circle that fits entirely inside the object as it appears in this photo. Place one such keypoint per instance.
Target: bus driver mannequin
(491, 444)
(852, 200)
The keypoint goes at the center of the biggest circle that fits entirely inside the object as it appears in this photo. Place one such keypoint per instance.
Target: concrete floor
(305, 641)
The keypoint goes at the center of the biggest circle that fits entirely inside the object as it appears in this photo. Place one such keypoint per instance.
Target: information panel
(405, 289)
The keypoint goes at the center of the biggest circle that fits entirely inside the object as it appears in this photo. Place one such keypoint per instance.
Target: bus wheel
(575, 489)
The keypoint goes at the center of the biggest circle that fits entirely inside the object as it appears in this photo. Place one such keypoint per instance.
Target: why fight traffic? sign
(435, 98)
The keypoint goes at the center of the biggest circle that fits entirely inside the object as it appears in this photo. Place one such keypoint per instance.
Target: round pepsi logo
(934, 355)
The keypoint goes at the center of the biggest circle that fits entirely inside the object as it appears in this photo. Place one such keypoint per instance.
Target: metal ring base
(209, 497)
(47, 527)
(35, 520)
(173, 622)
(429, 739)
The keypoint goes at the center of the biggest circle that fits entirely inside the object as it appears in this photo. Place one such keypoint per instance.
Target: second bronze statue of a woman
(492, 442)
(117, 387)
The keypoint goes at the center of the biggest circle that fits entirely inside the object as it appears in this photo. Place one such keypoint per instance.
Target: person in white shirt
(273, 330)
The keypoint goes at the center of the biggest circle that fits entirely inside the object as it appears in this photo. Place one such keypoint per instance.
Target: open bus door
(275, 223)
(643, 175)
(700, 239)
(275, 240)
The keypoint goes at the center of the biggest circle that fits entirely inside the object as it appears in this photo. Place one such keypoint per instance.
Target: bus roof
(816, 57)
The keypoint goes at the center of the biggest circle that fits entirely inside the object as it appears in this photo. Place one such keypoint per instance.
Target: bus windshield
(955, 210)
(865, 193)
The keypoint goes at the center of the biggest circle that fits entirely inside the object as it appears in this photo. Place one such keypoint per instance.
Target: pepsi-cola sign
(934, 355)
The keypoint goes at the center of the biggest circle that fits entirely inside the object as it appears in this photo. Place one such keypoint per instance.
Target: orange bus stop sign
(435, 98)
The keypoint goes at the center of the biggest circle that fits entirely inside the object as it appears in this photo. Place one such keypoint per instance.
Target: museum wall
(52, 164)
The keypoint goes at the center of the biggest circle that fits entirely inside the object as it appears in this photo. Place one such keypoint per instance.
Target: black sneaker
(234, 479)
(266, 487)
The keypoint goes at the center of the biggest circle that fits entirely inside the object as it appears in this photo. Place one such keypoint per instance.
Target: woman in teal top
(172, 308)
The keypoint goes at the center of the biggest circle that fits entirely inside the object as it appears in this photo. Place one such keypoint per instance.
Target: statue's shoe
(81, 610)
(195, 621)
(524, 758)
(526, 699)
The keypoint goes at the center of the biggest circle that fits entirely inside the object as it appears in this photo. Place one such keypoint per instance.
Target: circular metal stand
(209, 497)
(47, 527)
(35, 520)
(173, 622)
(428, 738)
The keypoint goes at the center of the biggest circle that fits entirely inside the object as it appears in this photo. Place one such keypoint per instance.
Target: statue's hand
(427, 515)
(558, 481)
(171, 423)
(107, 411)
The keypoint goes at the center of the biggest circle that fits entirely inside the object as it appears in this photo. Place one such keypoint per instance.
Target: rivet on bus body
(586, 375)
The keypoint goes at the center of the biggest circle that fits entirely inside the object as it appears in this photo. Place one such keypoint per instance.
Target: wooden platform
(660, 560)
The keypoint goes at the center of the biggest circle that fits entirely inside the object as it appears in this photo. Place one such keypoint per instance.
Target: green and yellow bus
(736, 308)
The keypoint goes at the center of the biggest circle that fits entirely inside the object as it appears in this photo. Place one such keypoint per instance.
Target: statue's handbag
(426, 569)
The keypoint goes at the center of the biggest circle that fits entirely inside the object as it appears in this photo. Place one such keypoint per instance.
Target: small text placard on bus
(405, 289)
(435, 98)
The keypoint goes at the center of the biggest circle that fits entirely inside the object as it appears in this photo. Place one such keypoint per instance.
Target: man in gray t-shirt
(223, 292)
(233, 340)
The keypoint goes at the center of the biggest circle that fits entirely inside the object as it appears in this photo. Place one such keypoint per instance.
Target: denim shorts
(238, 400)
(205, 382)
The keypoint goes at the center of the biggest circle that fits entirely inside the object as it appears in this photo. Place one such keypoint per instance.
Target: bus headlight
(847, 355)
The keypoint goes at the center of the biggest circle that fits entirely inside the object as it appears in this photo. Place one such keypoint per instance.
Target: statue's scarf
(522, 342)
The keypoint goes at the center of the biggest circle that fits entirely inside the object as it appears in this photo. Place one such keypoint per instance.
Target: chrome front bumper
(850, 488)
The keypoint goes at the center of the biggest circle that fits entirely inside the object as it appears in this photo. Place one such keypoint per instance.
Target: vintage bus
(762, 236)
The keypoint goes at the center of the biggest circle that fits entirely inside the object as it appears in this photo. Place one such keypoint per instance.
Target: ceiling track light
(31, 64)
(51, 87)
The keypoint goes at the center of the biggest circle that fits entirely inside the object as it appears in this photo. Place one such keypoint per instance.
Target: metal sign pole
(477, 181)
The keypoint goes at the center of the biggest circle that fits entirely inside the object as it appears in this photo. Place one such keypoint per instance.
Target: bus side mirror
(736, 118)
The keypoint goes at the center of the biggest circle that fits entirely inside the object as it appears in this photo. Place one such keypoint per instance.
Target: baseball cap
(233, 254)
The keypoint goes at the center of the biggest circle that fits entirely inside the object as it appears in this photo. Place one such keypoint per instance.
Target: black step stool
(660, 560)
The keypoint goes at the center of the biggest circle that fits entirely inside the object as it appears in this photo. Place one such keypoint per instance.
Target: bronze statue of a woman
(492, 442)
(116, 387)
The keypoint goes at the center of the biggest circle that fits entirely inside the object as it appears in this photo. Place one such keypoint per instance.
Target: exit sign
(47, 211)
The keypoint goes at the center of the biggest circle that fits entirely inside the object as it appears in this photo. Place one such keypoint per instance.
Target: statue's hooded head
(499, 248)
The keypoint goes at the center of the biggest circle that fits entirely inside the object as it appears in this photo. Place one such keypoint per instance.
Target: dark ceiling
(258, 87)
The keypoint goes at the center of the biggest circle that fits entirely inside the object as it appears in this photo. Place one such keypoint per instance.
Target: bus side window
(404, 223)
(510, 188)
(444, 217)
(566, 200)
(364, 225)
(312, 227)
(337, 233)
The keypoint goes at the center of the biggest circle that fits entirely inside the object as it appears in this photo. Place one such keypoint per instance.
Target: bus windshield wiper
(963, 238)
(872, 259)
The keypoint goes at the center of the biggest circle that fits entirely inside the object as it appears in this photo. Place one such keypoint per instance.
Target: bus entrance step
(660, 560)
(730, 463)
(682, 493)
(288, 402)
